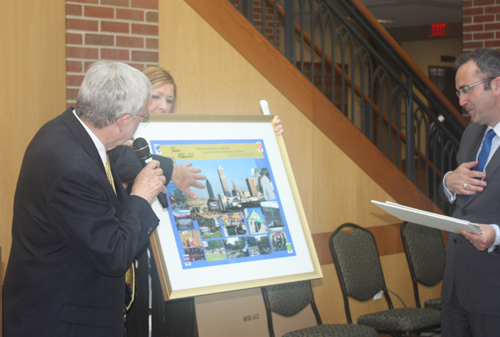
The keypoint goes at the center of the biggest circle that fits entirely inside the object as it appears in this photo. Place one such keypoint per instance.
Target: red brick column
(121, 30)
(481, 24)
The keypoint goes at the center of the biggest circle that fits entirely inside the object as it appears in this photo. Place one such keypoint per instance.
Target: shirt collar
(99, 145)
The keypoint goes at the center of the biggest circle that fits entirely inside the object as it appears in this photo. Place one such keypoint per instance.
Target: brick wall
(121, 30)
(267, 17)
(481, 24)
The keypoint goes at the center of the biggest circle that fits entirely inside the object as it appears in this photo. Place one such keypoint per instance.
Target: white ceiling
(407, 13)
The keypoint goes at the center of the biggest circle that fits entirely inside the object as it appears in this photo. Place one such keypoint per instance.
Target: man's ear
(495, 85)
(120, 122)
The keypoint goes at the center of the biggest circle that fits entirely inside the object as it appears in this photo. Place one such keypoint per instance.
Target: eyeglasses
(464, 90)
(144, 118)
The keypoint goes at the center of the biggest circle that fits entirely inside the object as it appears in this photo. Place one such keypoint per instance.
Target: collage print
(238, 216)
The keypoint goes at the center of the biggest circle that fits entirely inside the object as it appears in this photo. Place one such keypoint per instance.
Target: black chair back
(354, 252)
(425, 253)
(288, 299)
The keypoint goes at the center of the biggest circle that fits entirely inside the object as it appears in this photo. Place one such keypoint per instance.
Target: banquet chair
(425, 253)
(290, 298)
(360, 274)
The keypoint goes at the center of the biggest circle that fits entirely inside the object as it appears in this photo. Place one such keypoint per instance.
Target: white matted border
(178, 282)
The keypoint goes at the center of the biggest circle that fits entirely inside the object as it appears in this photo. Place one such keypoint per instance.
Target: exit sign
(439, 29)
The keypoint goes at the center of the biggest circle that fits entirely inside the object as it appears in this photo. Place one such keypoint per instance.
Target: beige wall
(213, 78)
(427, 53)
(32, 88)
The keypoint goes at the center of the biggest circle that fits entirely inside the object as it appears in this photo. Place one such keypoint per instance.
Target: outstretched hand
(184, 177)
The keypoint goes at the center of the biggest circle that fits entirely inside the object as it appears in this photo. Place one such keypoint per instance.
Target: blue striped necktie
(485, 151)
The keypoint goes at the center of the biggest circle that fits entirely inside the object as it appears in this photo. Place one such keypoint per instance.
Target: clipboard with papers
(428, 219)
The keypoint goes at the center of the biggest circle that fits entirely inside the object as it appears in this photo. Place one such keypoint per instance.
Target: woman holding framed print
(149, 315)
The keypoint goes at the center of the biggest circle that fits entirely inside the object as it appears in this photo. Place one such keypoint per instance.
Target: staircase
(363, 73)
(370, 80)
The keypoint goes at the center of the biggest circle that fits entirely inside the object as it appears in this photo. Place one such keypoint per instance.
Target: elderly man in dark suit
(75, 230)
(471, 285)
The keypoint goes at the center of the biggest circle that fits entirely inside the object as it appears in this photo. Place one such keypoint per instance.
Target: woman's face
(162, 99)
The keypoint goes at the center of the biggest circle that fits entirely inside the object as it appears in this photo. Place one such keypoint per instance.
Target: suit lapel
(475, 143)
(494, 162)
(120, 190)
(493, 165)
(471, 155)
(475, 139)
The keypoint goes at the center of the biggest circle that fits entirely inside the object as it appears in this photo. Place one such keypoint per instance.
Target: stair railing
(338, 48)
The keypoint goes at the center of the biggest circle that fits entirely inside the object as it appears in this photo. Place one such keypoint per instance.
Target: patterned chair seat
(434, 303)
(402, 319)
(334, 330)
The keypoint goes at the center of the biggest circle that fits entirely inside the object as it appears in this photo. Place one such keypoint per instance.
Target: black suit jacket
(475, 274)
(73, 239)
(127, 165)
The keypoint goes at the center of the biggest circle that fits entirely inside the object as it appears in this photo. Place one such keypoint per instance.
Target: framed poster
(247, 228)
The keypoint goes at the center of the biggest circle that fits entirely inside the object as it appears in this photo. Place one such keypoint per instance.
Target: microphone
(141, 149)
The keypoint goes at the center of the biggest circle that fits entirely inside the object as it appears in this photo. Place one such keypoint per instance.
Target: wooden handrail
(348, 80)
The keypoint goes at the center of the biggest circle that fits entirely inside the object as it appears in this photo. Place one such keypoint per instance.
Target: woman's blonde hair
(159, 77)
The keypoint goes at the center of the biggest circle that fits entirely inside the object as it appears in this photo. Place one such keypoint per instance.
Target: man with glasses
(75, 230)
(127, 167)
(471, 284)
(145, 117)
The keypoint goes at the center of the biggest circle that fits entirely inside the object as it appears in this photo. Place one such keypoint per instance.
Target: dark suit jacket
(475, 274)
(73, 239)
(127, 165)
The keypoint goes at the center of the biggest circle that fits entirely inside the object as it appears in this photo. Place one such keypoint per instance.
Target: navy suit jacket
(475, 274)
(127, 165)
(73, 239)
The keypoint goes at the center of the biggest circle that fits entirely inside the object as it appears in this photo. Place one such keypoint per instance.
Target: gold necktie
(130, 275)
(109, 174)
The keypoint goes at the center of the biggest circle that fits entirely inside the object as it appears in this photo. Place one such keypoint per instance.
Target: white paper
(428, 219)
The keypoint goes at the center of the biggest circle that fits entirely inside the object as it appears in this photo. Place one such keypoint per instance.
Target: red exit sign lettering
(439, 29)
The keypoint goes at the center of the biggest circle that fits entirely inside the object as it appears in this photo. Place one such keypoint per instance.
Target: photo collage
(237, 217)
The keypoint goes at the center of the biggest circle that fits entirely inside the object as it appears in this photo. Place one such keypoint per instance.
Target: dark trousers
(180, 316)
(456, 322)
(145, 318)
(149, 315)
